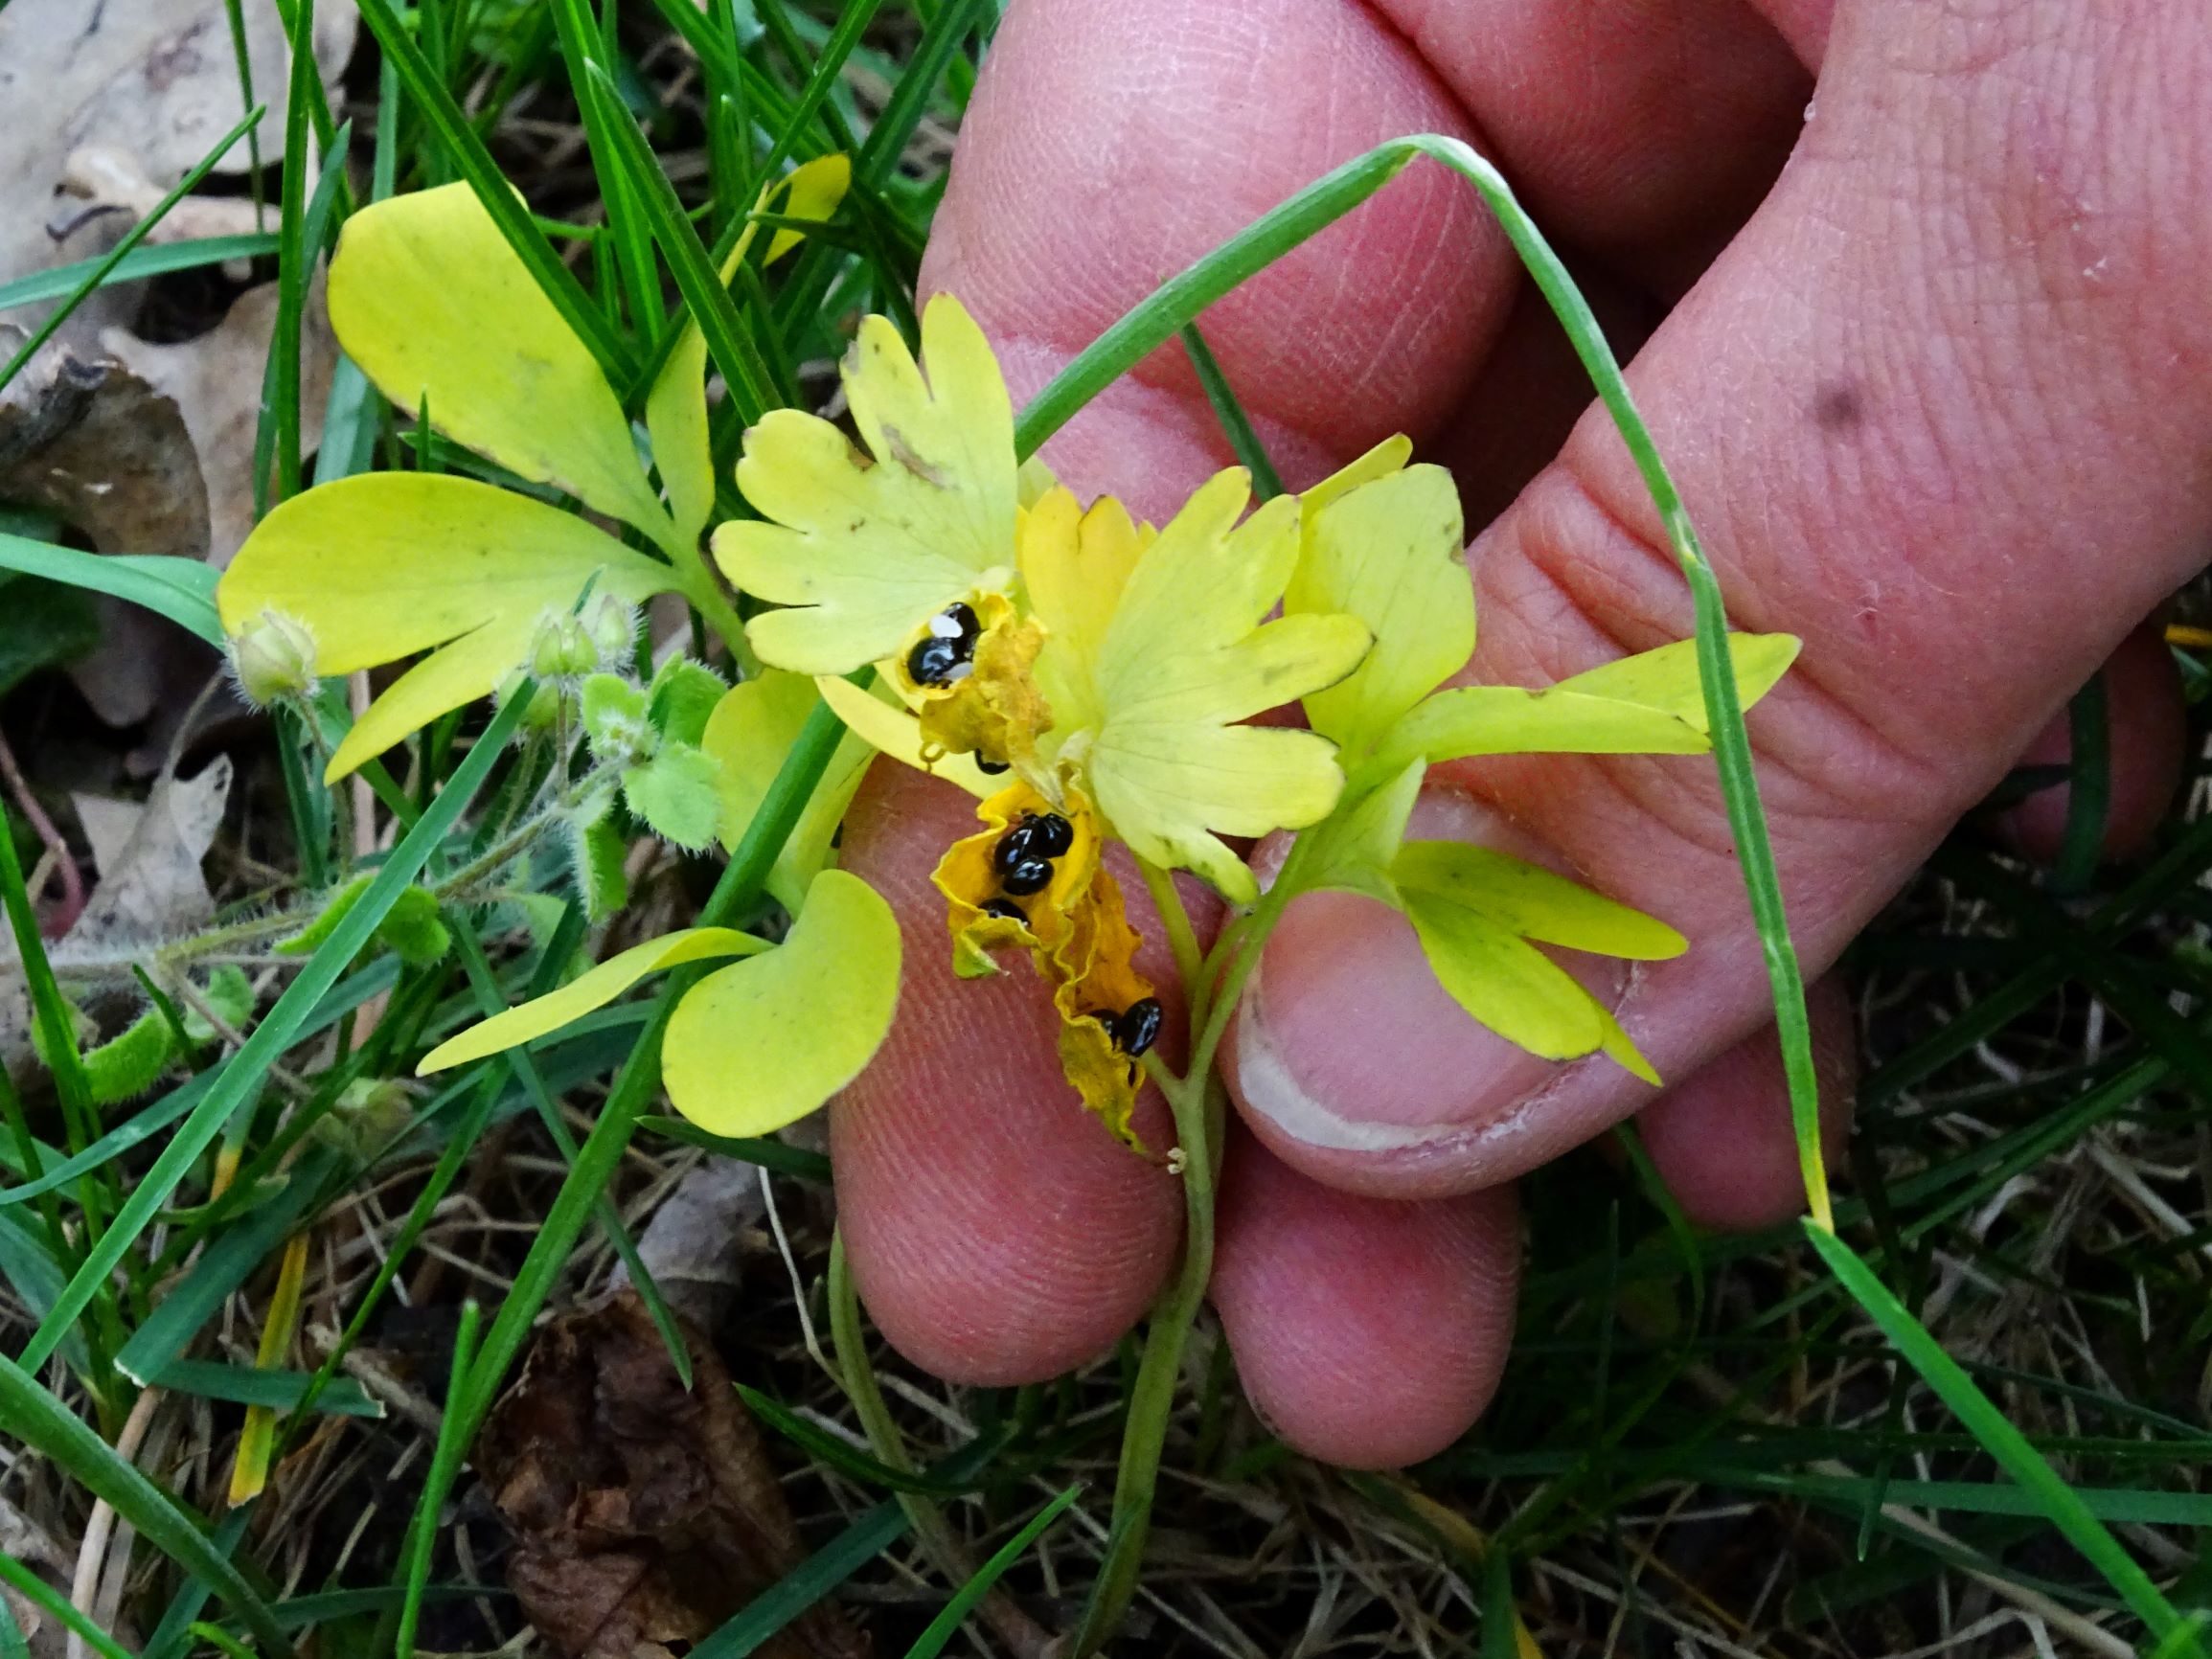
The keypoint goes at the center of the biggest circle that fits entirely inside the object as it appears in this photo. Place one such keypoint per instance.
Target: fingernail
(1346, 1041)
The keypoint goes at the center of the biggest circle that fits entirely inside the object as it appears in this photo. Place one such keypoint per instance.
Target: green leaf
(131, 1062)
(946, 1625)
(675, 416)
(1352, 848)
(597, 857)
(1505, 982)
(415, 930)
(180, 589)
(752, 728)
(760, 1044)
(386, 564)
(427, 296)
(1666, 679)
(1514, 720)
(1390, 553)
(674, 793)
(42, 624)
(1531, 901)
(682, 698)
(614, 717)
(543, 1016)
(136, 265)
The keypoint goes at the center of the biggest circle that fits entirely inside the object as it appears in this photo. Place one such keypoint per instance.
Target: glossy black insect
(948, 654)
(1136, 1028)
(1006, 909)
(1038, 835)
(992, 768)
(1027, 875)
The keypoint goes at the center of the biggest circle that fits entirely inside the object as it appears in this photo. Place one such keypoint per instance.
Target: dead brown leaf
(646, 1515)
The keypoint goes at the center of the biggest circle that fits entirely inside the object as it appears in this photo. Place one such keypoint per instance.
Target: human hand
(1939, 398)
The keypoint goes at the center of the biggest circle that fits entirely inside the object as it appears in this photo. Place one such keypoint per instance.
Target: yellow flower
(1155, 648)
(867, 549)
(1033, 876)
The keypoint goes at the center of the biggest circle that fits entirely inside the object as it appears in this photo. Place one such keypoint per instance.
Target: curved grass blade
(946, 1625)
(103, 269)
(136, 266)
(445, 1464)
(29, 1414)
(180, 589)
(57, 1607)
(2053, 1496)
(278, 1031)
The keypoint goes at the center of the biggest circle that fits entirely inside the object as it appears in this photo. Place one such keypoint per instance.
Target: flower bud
(613, 626)
(273, 659)
(561, 650)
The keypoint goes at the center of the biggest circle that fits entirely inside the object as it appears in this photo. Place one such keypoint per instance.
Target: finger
(1367, 1333)
(1594, 123)
(2144, 733)
(1721, 1138)
(1891, 408)
(997, 1232)
(1110, 147)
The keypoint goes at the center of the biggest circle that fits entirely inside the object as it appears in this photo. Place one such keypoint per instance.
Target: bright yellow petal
(872, 550)
(428, 298)
(1531, 901)
(1666, 678)
(890, 730)
(1390, 553)
(760, 1044)
(1505, 982)
(749, 734)
(590, 990)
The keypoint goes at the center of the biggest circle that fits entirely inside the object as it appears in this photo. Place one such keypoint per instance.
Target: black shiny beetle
(1024, 854)
(1136, 1028)
(948, 654)
(1004, 909)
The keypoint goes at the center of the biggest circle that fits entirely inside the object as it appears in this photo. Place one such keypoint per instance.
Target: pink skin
(1940, 405)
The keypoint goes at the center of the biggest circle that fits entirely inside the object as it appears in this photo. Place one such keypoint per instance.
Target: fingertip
(1368, 1333)
(997, 1232)
(2146, 732)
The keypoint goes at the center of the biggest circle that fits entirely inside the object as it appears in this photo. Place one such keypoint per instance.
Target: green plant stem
(1182, 938)
(445, 1464)
(1199, 1103)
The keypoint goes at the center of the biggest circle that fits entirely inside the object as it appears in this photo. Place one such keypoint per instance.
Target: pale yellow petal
(593, 989)
(759, 1045)
(1505, 982)
(1389, 553)
(1531, 901)
(428, 298)
(749, 735)
(892, 730)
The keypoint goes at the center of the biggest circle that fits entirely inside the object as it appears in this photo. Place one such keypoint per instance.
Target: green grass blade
(182, 1309)
(30, 1415)
(584, 51)
(825, 1447)
(734, 895)
(103, 268)
(828, 64)
(2090, 789)
(798, 1590)
(445, 1464)
(56, 1605)
(946, 1625)
(2053, 1496)
(506, 210)
(767, 1155)
(729, 342)
(136, 266)
(893, 126)
(279, 1029)
(180, 589)
(1235, 425)
(278, 1389)
(302, 246)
